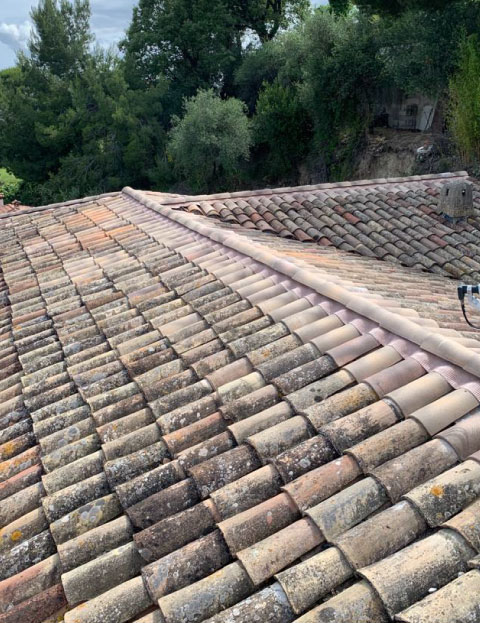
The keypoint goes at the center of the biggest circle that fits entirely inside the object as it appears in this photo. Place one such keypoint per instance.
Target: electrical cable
(469, 291)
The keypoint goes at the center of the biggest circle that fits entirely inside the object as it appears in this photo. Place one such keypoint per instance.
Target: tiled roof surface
(7, 208)
(395, 220)
(198, 425)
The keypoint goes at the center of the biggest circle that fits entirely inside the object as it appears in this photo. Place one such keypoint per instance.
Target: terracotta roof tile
(189, 411)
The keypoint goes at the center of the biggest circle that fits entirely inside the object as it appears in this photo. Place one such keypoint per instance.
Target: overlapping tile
(208, 439)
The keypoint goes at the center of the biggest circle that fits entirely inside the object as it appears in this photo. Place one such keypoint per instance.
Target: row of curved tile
(396, 222)
(178, 429)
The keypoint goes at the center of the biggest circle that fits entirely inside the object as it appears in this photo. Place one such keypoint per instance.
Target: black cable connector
(462, 290)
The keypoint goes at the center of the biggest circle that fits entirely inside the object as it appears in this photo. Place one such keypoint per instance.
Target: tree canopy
(394, 7)
(212, 94)
(210, 141)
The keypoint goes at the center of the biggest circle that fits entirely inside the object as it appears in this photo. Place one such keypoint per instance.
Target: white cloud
(15, 36)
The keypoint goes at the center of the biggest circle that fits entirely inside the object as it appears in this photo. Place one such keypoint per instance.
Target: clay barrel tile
(296, 318)
(86, 518)
(351, 350)
(30, 582)
(304, 457)
(381, 535)
(139, 488)
(319, 327)
(309, 581)
(218, 444)
(271, 442)
(419, 393)
(224, 469)
(166, 502)
(186, 565)
(323, 482)
(195, 433)
(274, 367)
(320, 390)
(95, 542)
(37, 607)
(304, 374)
(356, 603)
(442, 412)
(22, 529)
(117, 605)
(153, 616)
(277, 302)
(372, 363)
(175, 531)
(405, 472)
(395, 376)
(456, 602)
(441, 497)
(354, 428)
(285, 345)
(207, 597)
(271, 555)
(66, 500)
(269, 604)
(230, 372)
(464, 436)
(336, 337)
(187, 414)
(260, 421)
(26, 554)
(348, 507)
(388, 444)
(250, 404)
(407, 576)
(74, 472)
(467, 524)
(258, 522)
(246, 492)
(132, 465)
(109, 570)
(241, 387)
(339, 405)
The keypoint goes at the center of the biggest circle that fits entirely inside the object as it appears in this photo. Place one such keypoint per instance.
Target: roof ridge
(309, 187)
(61, 204)
(431, 341)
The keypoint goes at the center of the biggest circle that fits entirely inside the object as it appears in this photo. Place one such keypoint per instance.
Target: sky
(109, 20)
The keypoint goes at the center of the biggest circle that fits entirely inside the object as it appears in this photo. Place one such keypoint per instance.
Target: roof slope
(395, 220)
(196, 425)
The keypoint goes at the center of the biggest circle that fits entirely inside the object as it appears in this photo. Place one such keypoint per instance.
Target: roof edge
(314, 187)
(431, 342)
(61, 204)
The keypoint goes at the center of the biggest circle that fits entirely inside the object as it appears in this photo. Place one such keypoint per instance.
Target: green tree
(121, 140)
(38, 92)
(199, 43)
(393, 7)
(282, 132)
(61, 36)
(209, 144)
(282, 59)
(464, 110)
(9, 186)
(418, 48)
(343, 73)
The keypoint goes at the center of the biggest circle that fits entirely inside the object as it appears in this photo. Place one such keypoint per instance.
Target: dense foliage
(465, 97)
(210, 141)
(207, 95)
(9, 186)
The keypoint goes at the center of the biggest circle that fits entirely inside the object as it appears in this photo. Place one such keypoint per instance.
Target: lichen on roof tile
(203, 421)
